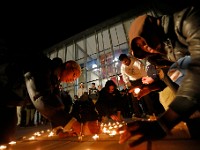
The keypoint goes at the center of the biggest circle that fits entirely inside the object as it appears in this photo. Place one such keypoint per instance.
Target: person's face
(140, 42)
(126, 61)
(111, 89)
(142, 49)
(81, 86)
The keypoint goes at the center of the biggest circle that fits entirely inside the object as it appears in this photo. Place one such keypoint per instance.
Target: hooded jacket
(180, 34)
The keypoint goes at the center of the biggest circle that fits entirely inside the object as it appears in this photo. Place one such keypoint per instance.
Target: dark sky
(38, 26)
(35, 26)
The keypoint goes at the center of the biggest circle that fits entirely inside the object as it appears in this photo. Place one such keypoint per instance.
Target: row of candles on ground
(106, 128)
(33, 137)
(109, 128)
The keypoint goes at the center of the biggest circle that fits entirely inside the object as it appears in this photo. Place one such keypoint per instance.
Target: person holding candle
(133, 71)
(168, 37)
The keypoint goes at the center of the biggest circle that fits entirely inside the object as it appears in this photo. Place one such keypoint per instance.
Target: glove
(148, 130)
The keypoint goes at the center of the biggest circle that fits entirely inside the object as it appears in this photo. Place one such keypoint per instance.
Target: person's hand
(91, 127)
(87, 128)
(142, 92)
(147, 80)
(143, 130)
(115, 118)
(64, 134)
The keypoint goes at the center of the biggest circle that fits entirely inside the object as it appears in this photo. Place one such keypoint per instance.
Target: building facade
(97, 50)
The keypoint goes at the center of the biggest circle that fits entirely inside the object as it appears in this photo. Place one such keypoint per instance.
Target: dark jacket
(109, 103)
(181, 35)
(37, 72)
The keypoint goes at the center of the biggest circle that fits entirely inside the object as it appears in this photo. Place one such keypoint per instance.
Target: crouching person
(41, 77)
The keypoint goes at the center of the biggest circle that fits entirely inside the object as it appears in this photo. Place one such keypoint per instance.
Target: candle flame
(137, 90)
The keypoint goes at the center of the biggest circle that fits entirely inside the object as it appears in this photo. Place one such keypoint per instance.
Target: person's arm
(141, 67)
(149, 129)
(100, 107)
(125, 77)
(187, 96)
(162, 73)
(187, 101)
(152, 72)
(46, 102)
(147, 88)
(51, 107)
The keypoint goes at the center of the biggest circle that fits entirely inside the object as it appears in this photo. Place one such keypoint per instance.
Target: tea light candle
(95, 137)
(137, 90)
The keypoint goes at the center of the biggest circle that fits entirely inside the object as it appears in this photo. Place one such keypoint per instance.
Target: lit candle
(112, 133)
(95, 137)
(32, 138)
(12, 143)
(137, 90)
(3, 147)
(50, 134)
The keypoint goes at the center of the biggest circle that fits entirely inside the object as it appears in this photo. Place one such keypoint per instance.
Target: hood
(148, 28)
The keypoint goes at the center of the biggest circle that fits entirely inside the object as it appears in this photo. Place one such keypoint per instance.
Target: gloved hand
(146, 130)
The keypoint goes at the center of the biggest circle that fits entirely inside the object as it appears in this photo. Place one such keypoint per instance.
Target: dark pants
(8, 116)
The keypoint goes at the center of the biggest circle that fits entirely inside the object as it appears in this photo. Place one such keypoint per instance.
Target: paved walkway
(179, 140)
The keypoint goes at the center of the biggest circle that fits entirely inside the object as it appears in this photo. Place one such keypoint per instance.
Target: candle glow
(95, 137)
(137, 90)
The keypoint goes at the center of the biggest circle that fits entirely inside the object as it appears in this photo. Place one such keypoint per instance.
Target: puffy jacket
(180, 34)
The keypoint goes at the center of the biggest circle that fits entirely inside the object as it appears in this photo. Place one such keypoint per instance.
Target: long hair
(110, 83)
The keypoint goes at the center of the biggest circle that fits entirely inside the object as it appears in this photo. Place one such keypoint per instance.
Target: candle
(95, 137)
(12, 143)
(137, 90)
(3, 147)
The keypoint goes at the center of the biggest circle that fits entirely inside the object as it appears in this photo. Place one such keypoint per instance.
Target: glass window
(91, 64)
(91, 45)
(105, 43)
(92, 75)
(98, 60)
(81, 52)
(118, 35)
(53, 55)
(103, 71)
(61, 54)
(70, 52)
(109, 56)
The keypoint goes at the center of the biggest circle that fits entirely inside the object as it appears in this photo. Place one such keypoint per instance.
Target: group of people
(162, 41)
(133, 72)
(40, 77)
(101, 105)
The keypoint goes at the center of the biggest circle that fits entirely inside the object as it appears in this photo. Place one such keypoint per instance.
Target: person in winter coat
(40, 77)
(164, 40)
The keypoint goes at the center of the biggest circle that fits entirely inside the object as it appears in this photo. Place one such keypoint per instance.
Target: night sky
(35, 26)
